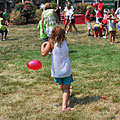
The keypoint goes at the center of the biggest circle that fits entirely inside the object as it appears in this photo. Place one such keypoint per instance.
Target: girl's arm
(109, 17)
(45, 48)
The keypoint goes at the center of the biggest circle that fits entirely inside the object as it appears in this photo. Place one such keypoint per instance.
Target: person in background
(3, 28)
(71, 22)
(57, 10)
(105, 26)
(41, 35)
(96, 30)
(100, 13)
(87, 19)
(67, 13)
(50, 18)
(117, 13)
(112, 25)
(5, 14)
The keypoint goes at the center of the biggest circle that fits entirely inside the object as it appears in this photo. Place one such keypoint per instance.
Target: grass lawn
(32, 95)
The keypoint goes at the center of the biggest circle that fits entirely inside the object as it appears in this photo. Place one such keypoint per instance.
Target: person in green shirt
(3, 28)
(42, 36)
(5, 14)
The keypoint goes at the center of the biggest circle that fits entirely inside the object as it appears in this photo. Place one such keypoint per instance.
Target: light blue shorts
(66, 80)
(66, 17)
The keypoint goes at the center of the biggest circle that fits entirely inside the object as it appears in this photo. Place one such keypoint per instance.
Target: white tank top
(60, 63)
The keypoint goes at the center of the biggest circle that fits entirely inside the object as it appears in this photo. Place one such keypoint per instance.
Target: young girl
(3, 28)
(112, 26)
(60, 63)
(87, 19)
(71, 22)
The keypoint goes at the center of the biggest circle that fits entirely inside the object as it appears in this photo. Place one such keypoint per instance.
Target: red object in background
(105, 21)
(34, 65)
(79, 18)
(91, 15)
(115, 21)
(104, 97)
(95, 4)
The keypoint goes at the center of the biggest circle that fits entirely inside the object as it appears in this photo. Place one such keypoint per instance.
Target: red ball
(91, 15)
(105, 21)
(94, 4)
(34, 65)
(104, 97)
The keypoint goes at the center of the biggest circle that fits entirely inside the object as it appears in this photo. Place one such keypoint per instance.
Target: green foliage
(82, 8)
(16, 18)
(38, 15)
(27, 10)
(53, 4)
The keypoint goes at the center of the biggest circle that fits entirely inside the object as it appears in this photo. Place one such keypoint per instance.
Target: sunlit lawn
(32, 95)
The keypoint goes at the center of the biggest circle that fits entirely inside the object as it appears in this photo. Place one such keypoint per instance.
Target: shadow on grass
(83, 101)
(117, 42)
(13, 39)
(73, 51)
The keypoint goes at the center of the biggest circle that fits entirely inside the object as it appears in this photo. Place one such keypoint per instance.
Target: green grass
(32, 95)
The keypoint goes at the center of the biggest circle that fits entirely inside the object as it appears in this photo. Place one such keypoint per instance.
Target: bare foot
(111, 43)
(67, 109)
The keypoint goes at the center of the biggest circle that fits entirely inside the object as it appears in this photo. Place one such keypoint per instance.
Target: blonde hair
(88, 6)
(58, 35)
(48, 6)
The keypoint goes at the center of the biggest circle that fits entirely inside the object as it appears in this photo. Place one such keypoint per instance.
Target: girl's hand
(45, 48)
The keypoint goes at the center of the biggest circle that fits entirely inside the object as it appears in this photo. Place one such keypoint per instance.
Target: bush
(53, 4)
(38, 15)
(82, 8)
(16, 18)
(27, 10)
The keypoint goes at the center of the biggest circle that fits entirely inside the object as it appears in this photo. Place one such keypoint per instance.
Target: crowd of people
(105, 22)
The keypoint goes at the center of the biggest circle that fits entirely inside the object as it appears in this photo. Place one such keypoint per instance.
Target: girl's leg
(114, 34)
(66, 93)
(110, 37)
(69, 27)
(66, 23)
(6, 31)
(2, 33)
(75, 27)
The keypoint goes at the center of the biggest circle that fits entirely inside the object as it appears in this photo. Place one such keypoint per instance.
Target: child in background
(5, 14)
(112, 26)
(71, 22)
(60, 63)
(87, 19)
(3, 28)
(105, 27)
(42, 36)
(96, 30)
